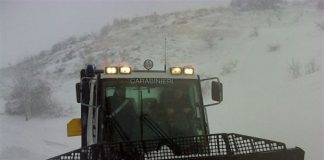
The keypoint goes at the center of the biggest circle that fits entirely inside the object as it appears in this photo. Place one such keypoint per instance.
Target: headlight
(111, 70)
(176, 70)
(125, 70)
(188, 71)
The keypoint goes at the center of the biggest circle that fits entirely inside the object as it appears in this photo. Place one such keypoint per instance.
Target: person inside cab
(178, 112)
(121, 116)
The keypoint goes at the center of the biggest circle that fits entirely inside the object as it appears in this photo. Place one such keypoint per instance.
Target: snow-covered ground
(35, 139)
(261, 98)
(38, 138)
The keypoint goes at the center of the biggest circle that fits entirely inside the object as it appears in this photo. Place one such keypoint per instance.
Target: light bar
(188, 71)
(176, 70)
(125, 70)
(111, 70)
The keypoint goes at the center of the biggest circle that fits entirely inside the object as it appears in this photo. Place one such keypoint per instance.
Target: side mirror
(77, 89)
(217, 91)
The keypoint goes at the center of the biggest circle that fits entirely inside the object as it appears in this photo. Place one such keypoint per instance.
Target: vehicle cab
(120, 104)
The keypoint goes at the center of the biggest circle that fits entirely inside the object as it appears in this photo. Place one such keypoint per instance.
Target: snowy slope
(260, 96)
(35, 139)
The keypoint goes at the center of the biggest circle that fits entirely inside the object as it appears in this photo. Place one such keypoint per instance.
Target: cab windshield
(141, 109)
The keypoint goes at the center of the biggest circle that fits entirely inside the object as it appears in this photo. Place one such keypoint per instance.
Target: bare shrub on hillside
(42, 54)
(176, 14)
(71, 40)
(312, 67)
(209, 37)
(137, 20)
(120, 22)
(229, 67)
(320, 25)
(201, 12)
(295, 69)
(57, 47)
(182, 20)
(87, 50)
(136, 48)
(59, 70)
(64, 44)
(273, 47)
(85, 37)
(255, 32)
(105, 30)
(69, 56)
(219, 9)
(153, 18)
(256, 4)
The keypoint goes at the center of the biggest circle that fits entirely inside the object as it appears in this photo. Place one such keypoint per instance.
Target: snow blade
(207, 147)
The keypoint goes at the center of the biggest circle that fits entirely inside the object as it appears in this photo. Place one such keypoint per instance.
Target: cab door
(93, 109)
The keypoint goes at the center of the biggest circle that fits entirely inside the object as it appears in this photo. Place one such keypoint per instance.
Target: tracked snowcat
(145, 114)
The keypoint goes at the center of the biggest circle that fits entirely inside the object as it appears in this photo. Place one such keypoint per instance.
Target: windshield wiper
(115, 124)
(119, 129)
(156, 128)
(161, 133)
(131, 149)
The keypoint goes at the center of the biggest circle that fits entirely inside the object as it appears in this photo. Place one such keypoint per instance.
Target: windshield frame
(111, 82)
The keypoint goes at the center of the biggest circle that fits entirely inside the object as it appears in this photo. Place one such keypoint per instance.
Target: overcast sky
(29, 26)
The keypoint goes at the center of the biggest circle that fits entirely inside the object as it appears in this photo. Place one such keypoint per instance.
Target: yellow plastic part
(74, 127)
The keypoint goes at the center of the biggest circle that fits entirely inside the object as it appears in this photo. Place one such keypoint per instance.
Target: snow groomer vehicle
(157, 115)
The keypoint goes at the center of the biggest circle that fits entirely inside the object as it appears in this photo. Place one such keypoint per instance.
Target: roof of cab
(149, 74)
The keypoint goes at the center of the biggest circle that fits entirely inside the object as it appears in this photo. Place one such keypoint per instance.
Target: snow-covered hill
(253, 53)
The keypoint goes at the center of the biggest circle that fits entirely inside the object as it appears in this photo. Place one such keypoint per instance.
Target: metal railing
(216, 146)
